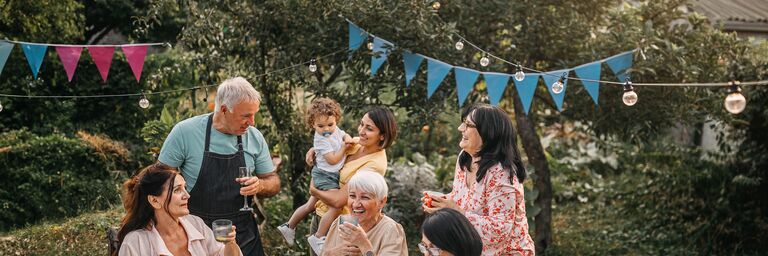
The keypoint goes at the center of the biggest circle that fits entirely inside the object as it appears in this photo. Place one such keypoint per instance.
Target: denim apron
(216, 195)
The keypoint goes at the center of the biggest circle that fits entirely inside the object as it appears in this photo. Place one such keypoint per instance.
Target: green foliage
(51, 177)
(82, 235)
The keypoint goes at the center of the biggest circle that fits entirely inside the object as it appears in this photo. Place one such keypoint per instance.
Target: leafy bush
(54, 176)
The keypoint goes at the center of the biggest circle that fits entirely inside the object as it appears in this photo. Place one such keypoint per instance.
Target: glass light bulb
(370, 45)
(459, 45)
(435, 5)
(519, 75)
(484, 61)
(312, 67)
(1, 107)
(629, 98)
(735, 103)
(143, 102)
(557, 87)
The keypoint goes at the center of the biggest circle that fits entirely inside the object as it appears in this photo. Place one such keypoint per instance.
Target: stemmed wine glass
(245, 172)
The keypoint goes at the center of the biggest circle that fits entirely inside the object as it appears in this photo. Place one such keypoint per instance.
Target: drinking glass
(348, 218)
(221, 229)
(245, 172)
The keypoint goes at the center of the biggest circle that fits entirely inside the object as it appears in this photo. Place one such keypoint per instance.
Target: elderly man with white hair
(366, 231)
(209, 151)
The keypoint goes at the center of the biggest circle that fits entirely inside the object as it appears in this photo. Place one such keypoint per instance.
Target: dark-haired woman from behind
(488, 182)
(157, 220)
(446, 232)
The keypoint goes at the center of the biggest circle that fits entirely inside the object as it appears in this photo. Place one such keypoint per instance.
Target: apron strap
(208, 136)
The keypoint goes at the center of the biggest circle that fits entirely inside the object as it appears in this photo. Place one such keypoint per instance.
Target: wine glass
(245, 172)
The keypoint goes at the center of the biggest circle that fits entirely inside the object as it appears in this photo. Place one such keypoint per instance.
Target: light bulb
(484, 61)
(629, 98)
(312, 65)
(557, 87)
(143, 102)
(1, 107)
(436, 5)
(735, 102)
(519, 75)
(459, 45)
(370, 46)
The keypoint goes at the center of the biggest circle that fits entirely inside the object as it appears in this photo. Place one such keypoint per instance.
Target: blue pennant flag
(35, 54)
(526, 89)
(590, 71)
(412, 62)
(5, 51)
(465, 81)
(551, 79)
(356, 38)
(380, 53)
(496, 83)
(436, 72)
(619, 64)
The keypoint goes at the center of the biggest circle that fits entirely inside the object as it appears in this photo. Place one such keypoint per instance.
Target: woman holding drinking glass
(488, 182)
(157, 220)
(374, 233)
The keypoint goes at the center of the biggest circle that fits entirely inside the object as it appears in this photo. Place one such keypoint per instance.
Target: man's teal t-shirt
(185, 145)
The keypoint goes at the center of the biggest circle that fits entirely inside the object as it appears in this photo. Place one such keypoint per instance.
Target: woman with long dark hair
(447, 232)
(157, 220)
(487, 184)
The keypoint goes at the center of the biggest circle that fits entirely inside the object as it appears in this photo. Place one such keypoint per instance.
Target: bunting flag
(102, 56)
(495, 83)
(526, 89)
(551, 79)
(412, 63)
(465, 81)
(436, 72)
(590, 71)
(135, 55)
(619, 64)
(69, 56)
(34, 54)
(5, 51)
(380, 53)
(356, 38)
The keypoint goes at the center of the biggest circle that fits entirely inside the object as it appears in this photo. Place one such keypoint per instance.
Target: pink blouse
(149, 242)
(497, 210)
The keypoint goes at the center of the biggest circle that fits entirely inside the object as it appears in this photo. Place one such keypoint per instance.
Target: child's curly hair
(323, 107)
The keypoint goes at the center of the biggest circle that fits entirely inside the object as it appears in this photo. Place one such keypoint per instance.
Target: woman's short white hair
(370, 182)
(233, 91)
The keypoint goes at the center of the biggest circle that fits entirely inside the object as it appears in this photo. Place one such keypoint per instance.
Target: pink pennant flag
(69, 56)
(102, 56)
(135, 55)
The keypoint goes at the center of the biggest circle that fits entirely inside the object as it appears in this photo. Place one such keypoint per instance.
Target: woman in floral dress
(487, 184)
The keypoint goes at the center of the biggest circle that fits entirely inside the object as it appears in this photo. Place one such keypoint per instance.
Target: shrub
(53, 176)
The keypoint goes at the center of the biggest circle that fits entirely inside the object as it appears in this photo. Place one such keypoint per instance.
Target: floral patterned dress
(496, 209)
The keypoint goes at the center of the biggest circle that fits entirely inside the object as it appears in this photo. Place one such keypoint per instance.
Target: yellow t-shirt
(376, 162)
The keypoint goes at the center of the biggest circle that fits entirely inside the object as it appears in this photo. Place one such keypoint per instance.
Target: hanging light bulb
(557, 87)
(370, 43)
(436, 5)
(519, 75)
(143, 102)
(735, 102)
(630, 96)
(484, 61)
(312, 65)
(1, 107)
(459, 45)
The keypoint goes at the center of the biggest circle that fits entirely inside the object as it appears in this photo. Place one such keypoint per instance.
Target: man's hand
(251, 185)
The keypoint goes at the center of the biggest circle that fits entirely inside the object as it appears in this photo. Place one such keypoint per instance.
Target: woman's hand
(342, 249)
(355, 235)
(230, 246)
(441, 202)
(310, 158)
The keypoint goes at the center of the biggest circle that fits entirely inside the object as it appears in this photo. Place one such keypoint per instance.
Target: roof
(736, 15)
